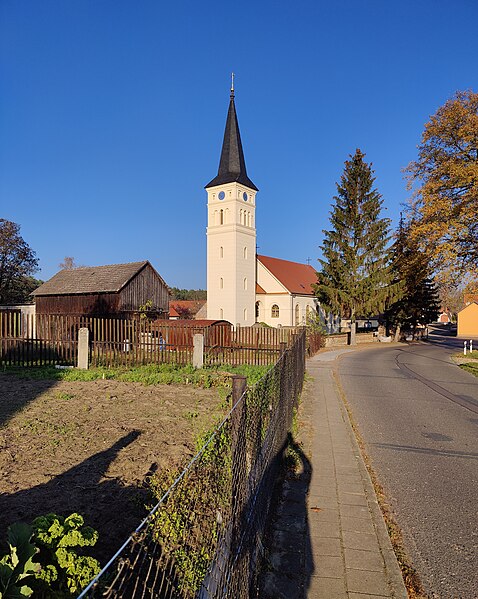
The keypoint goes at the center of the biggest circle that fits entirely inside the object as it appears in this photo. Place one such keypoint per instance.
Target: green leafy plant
(64, 570)
(17, 568)
(187, 524)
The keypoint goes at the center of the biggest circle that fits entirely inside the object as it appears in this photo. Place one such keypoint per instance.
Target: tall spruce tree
(356, 278)
(419, 303)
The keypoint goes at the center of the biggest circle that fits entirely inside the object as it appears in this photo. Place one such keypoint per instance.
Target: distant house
(115, 289)
(468, 321)
(185, 309)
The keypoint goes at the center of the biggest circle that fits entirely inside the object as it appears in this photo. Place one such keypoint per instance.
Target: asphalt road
(418, 415)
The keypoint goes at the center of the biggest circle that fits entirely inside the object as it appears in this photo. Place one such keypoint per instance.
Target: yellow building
(468, 321)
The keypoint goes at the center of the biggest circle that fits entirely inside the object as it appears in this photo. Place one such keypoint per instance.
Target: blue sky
(112, 114)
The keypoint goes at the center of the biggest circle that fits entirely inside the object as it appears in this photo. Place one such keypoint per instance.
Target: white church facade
(242, 287)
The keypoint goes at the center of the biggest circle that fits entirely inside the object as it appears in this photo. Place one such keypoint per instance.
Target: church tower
(231, 233)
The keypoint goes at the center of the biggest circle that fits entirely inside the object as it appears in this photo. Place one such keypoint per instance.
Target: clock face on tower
(244, 196)
(221, 195)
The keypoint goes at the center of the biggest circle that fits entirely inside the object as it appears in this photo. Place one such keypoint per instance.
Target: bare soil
(88, 447)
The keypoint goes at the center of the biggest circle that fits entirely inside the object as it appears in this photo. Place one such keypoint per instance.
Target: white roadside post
(471, 345)
(464, 347)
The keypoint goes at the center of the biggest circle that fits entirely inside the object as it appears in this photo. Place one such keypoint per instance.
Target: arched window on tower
(221, 217)
(221, 313)
(245, 284)
(275, 311)
(226, 215)
(245, 314)
(240, 216)
(221, 252)
(297, 315)
(245, 253)
(221, 283)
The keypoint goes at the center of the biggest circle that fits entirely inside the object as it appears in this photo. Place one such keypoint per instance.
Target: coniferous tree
(355, 279)
(419, 303)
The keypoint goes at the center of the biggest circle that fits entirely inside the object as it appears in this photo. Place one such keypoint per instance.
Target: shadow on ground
(289, 564)
(85, 490)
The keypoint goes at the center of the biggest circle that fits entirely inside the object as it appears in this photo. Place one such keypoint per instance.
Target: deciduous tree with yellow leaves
(444, 207)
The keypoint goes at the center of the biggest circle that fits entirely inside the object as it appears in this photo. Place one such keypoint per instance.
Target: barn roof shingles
(91, 279)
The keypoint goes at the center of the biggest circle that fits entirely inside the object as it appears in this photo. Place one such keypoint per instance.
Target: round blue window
(244, 196)
(221, 195)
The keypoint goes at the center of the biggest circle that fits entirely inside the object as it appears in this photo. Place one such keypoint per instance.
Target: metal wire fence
(203, 539)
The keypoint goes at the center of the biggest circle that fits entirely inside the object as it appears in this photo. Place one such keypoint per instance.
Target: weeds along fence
(204, 537)
(29, 340)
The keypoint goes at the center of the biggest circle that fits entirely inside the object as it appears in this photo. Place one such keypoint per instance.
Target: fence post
(198, 350)
(240, 572)
(83, 346)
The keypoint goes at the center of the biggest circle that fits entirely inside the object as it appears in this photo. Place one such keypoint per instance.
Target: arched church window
(221, 313)
(221, 217)
(245, 314)
(245, 283)
(221, 252)
(245, 253)
(275, 311)
(221, 283)
(297, 315)
(226, 215)
(216, 217)
(258, 308)
(240, 216)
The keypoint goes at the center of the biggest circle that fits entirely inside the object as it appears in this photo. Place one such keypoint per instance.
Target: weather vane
(232, 84)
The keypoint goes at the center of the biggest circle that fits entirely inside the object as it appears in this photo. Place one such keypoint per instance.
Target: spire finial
(232, 85)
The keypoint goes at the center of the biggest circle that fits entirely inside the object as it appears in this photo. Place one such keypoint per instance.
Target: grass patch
(471, 367)
(157, 374)
(471, 355)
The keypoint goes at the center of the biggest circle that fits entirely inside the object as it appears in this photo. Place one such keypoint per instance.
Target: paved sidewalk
(333, 544)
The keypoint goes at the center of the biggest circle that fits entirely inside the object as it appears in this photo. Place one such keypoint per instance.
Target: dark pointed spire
(232, 166)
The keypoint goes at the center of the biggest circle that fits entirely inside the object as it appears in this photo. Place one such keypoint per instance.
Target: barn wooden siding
(98, 304)
(146, 285)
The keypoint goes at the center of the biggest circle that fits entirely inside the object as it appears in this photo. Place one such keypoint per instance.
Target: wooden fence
(40, 340)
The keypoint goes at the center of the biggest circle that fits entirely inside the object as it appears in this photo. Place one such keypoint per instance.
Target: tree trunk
(397, 333)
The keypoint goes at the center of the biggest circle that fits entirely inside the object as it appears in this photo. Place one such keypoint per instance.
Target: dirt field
(87, 447)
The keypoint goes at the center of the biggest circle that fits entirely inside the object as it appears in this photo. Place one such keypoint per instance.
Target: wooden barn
(111, 290)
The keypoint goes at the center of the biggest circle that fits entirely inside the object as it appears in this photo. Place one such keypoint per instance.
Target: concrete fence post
(198, 350)
(83, 347)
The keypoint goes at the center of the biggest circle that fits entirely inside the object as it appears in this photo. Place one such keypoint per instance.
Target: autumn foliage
(444, 208)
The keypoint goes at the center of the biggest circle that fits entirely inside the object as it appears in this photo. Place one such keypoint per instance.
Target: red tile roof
(193, 306)
(172, 312)
(297, 278)
(259, 289)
